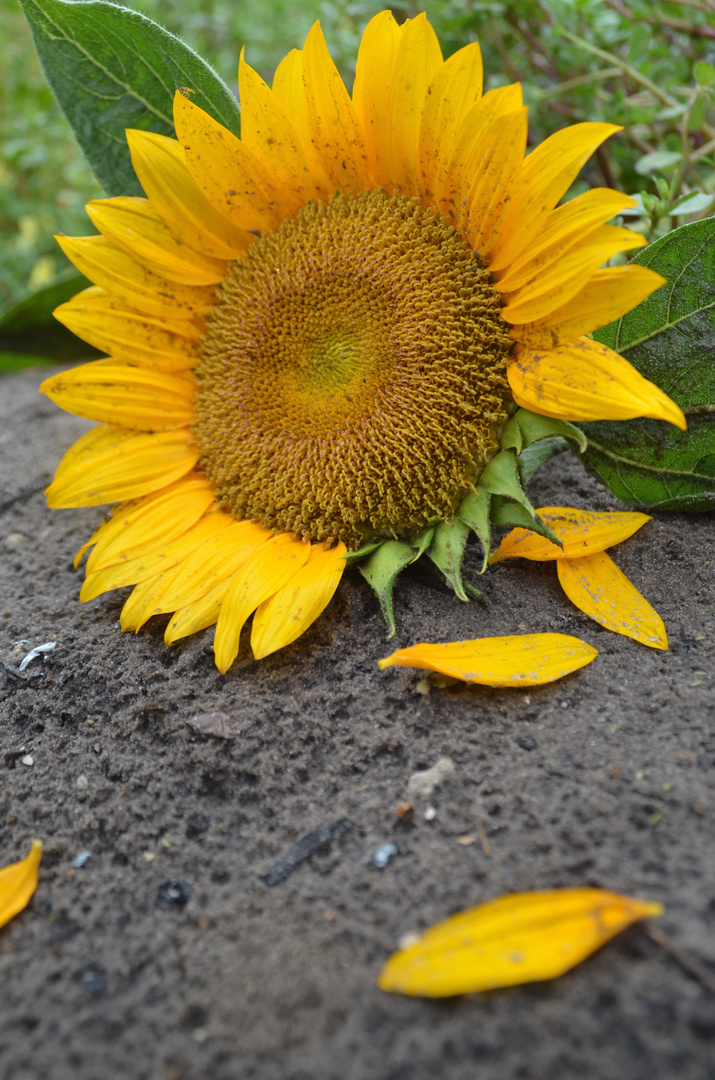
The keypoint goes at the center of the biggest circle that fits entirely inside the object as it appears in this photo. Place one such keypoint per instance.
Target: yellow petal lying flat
(18, 882)
(525, 937)
(519, 660)
(290, 611)
(582, 532)
(585, 380)
(600, 589)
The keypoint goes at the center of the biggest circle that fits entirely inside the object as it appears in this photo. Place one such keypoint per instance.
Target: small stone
(173, 894)
(422, 784)
(430, 813)
(27, 759)
(14, 540)
(383, 855)
(82, 858)
(82, 783)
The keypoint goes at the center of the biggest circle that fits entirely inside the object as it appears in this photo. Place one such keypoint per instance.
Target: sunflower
(332, 337)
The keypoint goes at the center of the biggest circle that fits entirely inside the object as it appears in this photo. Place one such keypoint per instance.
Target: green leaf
(657, 161)
(670, 338)
(110, 69)
(704, 73)
(36, 308)
(16, 361)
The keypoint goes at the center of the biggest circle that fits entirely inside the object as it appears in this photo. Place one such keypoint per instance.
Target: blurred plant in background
(646, 64)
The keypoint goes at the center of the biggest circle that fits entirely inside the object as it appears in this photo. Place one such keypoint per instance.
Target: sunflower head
(317, 334)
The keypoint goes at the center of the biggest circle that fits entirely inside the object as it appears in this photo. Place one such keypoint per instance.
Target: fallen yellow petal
(524, 937)
(519, 660)
(582, 532)
(18, 882)
(600, 589)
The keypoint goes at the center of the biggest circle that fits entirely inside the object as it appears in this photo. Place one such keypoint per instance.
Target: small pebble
(430, 813)
(82, 858)
(28, 759)
(82, 783)
(173, 894)
(383, 855)
(14, 540)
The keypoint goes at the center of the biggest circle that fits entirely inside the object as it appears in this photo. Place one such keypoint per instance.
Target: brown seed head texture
(353, 373)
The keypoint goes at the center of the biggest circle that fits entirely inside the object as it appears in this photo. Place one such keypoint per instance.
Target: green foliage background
(640, 63)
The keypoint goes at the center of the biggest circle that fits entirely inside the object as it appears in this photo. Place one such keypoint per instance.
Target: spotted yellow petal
(564, 277)
(145, 526)
(451, 94)
(132, 397)
(137, 608)
(374, 77)
(134, 227)
(201, 614)
(215, 561)
(126, 279)
(289, 89)
(160, 165)
(290, 611)
(585, 380)
(480, 205)
(520, 938)
(417, 61)
(18, 882)
(230, 176)
(271, 136)
(582, 532)
(108, 324)
(548, 172)
(272, 566)
(600, 589)
(519, 660)
(153, 561)
(110, 464)
(332, 120)
(566, 226)
(459, 170)
(609, 294)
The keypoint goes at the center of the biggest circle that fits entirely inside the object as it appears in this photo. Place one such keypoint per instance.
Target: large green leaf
(110, 69)
(670, 338)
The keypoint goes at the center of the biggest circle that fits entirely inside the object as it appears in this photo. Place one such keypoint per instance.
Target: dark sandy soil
(606, 778)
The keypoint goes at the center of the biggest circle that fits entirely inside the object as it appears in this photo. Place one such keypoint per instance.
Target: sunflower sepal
(382, 570)
(525, 428)
(509, 512)
(363, 551)
(447, 552)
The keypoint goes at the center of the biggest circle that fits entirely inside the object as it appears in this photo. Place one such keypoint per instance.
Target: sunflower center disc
(353, 373)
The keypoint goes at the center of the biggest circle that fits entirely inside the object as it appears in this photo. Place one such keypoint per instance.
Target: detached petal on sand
(518, 660)
(521, 938)
(18, 882)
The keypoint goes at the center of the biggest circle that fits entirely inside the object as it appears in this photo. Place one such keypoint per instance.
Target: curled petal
(18, 882)
(520, 660)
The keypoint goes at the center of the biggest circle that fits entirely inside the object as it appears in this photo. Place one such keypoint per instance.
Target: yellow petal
(132, 397)
(270, 135)
(272, 566)
(481, 206)
(147, 525)
(230, 176)
(110, 465)
(417, 61)
(519, 660)
(199, 615)
(108, 324)
(609, 294)
(600, 589)
(458, 166)
(582, 532)
(160, 164)
(558, 282)
(18, 882)
(332, 121)
(524, 937)
(290, 611)
(568, 225)
(134, 227)
(289, 88)
(452, 93)
(374, 79)
(585, 380)
(152, 561)
(140, 600)
(215, 561)
(138, 287)
(548, 173)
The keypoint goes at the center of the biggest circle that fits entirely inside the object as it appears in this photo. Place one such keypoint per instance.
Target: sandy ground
(155, 950)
